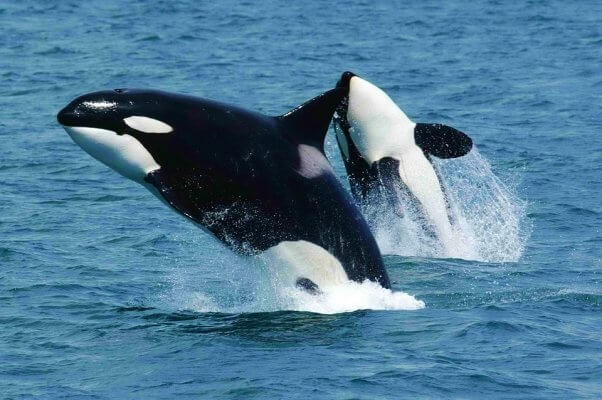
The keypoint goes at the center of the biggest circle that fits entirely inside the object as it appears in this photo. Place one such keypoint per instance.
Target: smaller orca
(260, 184)
(382, 148)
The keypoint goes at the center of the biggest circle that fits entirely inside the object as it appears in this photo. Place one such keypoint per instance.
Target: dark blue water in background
(105, 293)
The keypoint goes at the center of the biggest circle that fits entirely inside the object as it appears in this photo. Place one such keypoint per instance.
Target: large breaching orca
(260, 184)
(382, 148)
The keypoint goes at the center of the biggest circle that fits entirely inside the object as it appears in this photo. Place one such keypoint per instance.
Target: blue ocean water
(105, 293)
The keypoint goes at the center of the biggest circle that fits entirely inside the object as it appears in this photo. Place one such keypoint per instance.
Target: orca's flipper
(309, 122)
(170, 188)
(308, 285)
(441, 140)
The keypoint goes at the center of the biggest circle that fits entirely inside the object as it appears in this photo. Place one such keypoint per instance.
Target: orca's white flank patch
(123, 153)
(418, 174)
(303, 259)
(312, 162)
(147, 125)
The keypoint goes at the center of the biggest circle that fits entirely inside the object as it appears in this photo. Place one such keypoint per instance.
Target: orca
(260, 184)
(383, 150)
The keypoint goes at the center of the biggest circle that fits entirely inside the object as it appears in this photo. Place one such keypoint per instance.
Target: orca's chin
(123, 153)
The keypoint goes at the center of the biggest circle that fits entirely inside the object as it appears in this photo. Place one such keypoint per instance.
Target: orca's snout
(67, 116)
(345, 79)
(92, 108)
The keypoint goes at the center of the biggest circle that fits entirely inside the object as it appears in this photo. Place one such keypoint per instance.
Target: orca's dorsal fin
(441, 140)
(309, 122)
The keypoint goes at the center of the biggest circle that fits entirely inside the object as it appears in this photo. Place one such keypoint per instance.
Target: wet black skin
(236, 172)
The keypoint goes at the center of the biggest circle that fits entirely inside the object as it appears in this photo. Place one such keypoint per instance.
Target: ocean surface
(107, 294)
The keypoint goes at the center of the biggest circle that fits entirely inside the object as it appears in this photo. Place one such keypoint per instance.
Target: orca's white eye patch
(147, 125)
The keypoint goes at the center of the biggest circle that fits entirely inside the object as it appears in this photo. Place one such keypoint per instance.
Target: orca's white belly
(293, 260)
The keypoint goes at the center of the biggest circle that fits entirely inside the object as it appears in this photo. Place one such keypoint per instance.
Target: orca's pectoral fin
(309, 122)
(308, 285)
(441, 140)
(167, 185)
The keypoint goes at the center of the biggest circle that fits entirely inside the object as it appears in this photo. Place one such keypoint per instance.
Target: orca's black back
(237, 173)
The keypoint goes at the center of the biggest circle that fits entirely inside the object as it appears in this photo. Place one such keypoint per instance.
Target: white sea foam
(347, 297)
(256, 289)
(350, 296)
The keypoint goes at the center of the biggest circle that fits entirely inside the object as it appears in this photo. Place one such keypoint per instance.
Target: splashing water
(255, 287)
(488, 218)
(347, 297)
(351, 296)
